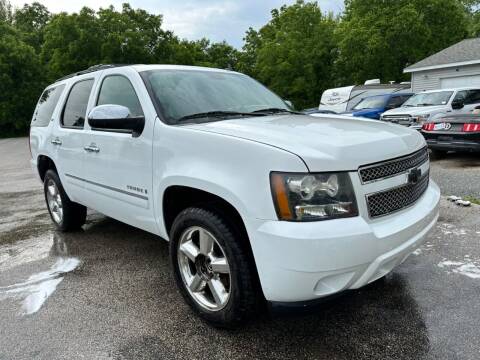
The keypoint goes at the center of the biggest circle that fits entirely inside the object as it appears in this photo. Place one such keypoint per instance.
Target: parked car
(345, 98)
(459, 132)
(374, 106)
(432, 105)
(257, 202)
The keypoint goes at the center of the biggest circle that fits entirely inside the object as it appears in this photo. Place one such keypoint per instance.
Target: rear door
(68, 135)
(46, 112)
(118, 174)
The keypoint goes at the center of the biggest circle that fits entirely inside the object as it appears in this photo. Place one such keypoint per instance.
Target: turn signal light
(428, 126)
(471, 127)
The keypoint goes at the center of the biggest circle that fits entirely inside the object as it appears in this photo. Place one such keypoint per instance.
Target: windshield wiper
(216, 114)
(275, 111)
(425, 104)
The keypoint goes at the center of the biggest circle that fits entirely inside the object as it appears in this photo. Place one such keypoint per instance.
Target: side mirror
(115, 118)
(457, 104)
(289, 103)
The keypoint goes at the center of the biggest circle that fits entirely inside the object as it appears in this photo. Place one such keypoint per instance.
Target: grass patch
(472, 199)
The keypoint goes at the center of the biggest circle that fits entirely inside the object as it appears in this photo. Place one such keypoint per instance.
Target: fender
(195, 183)
(234, 169)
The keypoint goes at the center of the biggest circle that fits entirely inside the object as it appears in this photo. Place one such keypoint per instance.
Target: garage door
(460, 81)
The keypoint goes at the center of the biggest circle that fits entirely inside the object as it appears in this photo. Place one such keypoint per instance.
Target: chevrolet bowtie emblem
(414, 175)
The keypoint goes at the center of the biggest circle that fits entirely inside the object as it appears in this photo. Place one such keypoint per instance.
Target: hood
(325, 142)
(415, 110)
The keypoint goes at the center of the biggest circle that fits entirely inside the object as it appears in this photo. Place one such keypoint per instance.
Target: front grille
(392, 167)
(394, 199)
(406, 120)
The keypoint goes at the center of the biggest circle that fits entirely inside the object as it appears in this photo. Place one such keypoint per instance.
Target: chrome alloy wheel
(204, 268)
(54, 201)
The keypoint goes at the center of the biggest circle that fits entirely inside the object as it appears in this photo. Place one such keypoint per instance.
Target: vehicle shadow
(459, 160)
(128, 276)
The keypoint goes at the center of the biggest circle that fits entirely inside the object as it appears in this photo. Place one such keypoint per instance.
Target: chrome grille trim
(393, 167)
(399, 119)
(388, 201)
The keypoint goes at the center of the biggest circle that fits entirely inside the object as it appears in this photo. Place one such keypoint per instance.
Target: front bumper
(308, 261)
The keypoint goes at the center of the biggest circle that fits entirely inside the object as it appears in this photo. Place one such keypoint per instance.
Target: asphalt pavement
(107, 292)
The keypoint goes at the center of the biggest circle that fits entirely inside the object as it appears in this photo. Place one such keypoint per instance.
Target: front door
(118, 166)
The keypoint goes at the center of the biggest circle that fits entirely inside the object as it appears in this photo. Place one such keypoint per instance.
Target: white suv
(257, 201)
(431, 105)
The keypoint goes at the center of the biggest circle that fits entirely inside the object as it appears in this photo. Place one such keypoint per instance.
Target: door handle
(56, 141)
(92, 148)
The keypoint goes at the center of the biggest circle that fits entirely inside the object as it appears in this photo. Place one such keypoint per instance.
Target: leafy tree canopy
(293, 53)
(300, 52)
(377, 38)
(20, 82)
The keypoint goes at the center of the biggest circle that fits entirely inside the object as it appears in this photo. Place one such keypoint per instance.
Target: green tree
(21, 82)
(5, 11)
(248, 57)
(73, 42)
(30, 21)
(378, 38)
(293, 54)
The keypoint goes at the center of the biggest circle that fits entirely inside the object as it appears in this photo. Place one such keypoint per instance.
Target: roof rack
(91, 69)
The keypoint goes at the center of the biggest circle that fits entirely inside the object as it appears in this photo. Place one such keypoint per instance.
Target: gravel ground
(113, 297)
(458, 174)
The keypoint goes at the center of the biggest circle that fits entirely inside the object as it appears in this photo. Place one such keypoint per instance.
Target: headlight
(311, 197)
(420, 119)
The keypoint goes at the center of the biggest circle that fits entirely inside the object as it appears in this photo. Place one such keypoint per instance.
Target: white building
(455, 66)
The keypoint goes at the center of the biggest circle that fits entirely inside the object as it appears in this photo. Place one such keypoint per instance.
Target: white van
(342, 99)
(434, 104)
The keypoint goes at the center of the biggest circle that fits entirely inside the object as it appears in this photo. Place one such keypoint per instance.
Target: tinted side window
(461, 95)
(396, 101)
(46, 105)
(75, 109)
(473, 97)
(117, 90)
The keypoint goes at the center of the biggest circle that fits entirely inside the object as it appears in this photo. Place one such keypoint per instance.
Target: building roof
(466, 52)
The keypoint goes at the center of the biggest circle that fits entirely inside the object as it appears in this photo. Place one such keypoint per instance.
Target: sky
(216, 20)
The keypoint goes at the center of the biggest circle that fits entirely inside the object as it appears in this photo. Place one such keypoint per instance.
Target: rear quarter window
(46, 106)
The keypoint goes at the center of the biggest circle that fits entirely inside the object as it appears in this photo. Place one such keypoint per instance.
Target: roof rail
(91, 69)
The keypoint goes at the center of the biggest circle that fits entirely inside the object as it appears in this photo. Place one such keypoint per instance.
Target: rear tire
(218, 284)
(66, 214)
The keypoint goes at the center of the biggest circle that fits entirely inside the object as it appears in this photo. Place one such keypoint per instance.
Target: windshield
(371, 103)
(431, 98)
(182, 93)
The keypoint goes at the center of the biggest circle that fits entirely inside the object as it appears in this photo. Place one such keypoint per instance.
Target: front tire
(66, 214)
(211, 267)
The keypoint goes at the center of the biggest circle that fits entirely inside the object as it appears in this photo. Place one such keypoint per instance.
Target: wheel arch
(179, 197)
(45, 163)
(176, 198)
